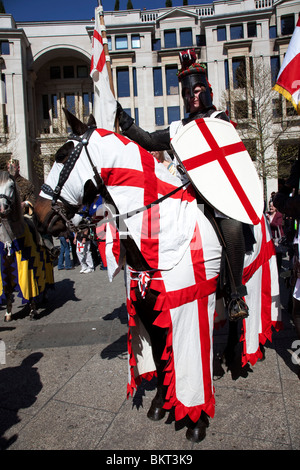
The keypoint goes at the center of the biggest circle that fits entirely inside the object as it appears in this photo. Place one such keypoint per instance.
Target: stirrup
(237, 309)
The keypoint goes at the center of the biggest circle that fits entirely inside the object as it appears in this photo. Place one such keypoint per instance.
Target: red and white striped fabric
(108, 241)
(104, 102)
(261, 278)
(134, 178)
(288, 80)
(187, 305)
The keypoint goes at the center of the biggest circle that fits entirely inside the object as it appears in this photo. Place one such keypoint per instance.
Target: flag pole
(107, 57)
(105, 45)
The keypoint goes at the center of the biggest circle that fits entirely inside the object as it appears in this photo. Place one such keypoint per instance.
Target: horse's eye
(64, 152)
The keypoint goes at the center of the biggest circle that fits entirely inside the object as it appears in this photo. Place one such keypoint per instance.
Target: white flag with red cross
(221, 169)
(105, 105)
(288, 80)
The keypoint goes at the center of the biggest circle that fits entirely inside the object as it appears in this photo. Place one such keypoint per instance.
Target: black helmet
(192, 74)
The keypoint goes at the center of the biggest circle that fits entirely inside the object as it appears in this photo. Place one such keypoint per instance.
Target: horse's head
(53, 210)
(9, 196)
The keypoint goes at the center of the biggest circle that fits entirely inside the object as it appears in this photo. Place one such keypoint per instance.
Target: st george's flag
(288, 80)
(104, 109)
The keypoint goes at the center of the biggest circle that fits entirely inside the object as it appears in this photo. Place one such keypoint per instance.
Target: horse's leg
(232, 341)
(8, 313)
(33, 310)
(158, 339)
(144, 308)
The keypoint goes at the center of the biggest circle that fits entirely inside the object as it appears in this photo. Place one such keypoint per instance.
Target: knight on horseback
(173, 258)
(235, 236)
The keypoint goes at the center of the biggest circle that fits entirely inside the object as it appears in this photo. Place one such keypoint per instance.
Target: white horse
(172, 266)
(25, 265)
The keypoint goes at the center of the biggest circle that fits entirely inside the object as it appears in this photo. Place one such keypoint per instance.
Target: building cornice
(174, 51)
(238, 43)
(229, 17)
(14, 34)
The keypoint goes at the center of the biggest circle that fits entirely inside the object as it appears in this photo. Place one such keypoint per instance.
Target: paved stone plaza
(64, 382)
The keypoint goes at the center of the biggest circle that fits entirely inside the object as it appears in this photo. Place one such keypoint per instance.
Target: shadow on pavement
(19, 387)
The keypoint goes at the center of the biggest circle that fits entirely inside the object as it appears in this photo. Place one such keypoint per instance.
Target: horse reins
(100, 186)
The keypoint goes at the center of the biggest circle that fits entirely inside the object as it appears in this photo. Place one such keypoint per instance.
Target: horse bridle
(58, 210)
(4, 196)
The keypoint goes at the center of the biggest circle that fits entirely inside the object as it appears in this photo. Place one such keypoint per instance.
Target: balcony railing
(150, 16)
(260, 4)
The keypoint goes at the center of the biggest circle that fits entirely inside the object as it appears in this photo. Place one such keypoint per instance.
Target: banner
(104, 109)
(288, 80)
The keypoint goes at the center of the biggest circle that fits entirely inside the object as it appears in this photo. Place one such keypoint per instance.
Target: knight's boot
(197, 432)
(237, 307)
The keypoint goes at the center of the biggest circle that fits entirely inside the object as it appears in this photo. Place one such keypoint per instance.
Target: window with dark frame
(156, 44)
(135, 41)
(4, 48)
(273, 32)
(170, 39)
(221, 33)
(123, 82)
(275, 67)
(157, 81)
(186, 37)
(55, 72)
(236, 31)
(287, 24)
(121, 42)
(82, 71)
(251, 30)
(173, 113)
(172, 80)
(239, 72)
(68, 71)
(159, 116)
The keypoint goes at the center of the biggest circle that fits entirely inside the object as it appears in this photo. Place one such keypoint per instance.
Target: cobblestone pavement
(63, 385)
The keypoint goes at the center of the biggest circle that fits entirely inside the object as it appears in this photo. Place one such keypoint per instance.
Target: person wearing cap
(25, 187)
(198, 100)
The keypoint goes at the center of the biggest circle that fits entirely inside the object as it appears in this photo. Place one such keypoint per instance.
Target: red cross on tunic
(219, 154)
(80, 247)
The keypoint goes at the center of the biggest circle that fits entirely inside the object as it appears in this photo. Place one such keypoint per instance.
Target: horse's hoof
(7, 317)
(156, 413)
(197, 432)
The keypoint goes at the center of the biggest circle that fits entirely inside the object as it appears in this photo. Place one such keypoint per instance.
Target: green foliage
(169, 3)
(117, 5)
(129, 5)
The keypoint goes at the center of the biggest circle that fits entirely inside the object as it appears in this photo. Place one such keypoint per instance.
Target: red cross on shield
(219, 166)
